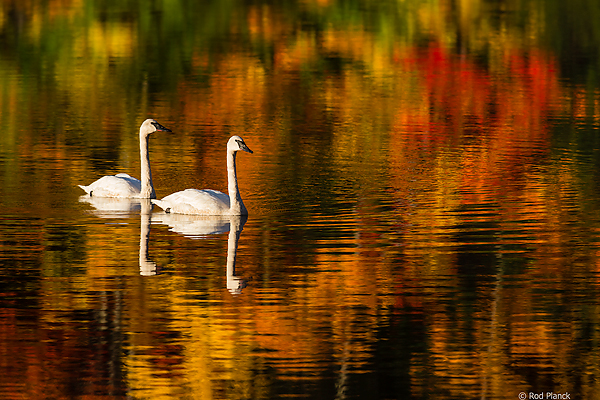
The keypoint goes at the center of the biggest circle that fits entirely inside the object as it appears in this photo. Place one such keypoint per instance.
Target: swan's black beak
(159, 127)
(244, 147)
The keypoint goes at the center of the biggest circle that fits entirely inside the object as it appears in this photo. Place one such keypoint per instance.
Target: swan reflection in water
(201, 226)
(147, 266)
(192, 226)
(112, 207)
(106, 207)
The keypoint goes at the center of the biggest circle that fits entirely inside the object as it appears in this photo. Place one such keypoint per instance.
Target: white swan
(123, 185)
(208, 201)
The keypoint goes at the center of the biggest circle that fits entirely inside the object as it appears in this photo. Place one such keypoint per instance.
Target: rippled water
(338, 286)
(423, 205)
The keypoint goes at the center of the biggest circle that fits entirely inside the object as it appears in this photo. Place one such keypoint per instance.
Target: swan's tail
(85, 188)
(161, 204)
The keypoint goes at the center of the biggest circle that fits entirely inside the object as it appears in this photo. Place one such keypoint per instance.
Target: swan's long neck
(147, 190)
(236, 205)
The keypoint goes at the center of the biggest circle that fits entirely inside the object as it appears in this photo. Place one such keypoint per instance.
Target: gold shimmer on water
(422, 199)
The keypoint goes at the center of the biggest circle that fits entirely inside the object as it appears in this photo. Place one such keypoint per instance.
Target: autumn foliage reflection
(484, 130)
(403, 187)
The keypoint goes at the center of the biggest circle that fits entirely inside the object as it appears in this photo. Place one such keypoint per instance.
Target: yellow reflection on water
(401, 180)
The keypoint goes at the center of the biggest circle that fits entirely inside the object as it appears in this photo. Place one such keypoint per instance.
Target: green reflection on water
(423, 193)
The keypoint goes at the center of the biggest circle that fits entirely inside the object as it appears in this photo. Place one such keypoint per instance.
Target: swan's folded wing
(194, 201)
(121, 185)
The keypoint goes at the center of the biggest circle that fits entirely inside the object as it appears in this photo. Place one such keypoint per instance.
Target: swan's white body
(197, 202)
(123, 185)
(208, 201)
(120, 185)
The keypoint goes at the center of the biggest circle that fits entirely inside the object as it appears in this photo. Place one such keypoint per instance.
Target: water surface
(422, 196)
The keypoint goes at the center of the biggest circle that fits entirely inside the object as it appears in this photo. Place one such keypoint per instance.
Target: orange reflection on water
(444, 154)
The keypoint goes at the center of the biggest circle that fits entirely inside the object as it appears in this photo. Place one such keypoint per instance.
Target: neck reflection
(235, 284)
(201, 226)
(147, 266)
(105, 207)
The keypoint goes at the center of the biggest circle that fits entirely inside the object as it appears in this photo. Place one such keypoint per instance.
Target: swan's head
(149, 126)
(236, 143)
